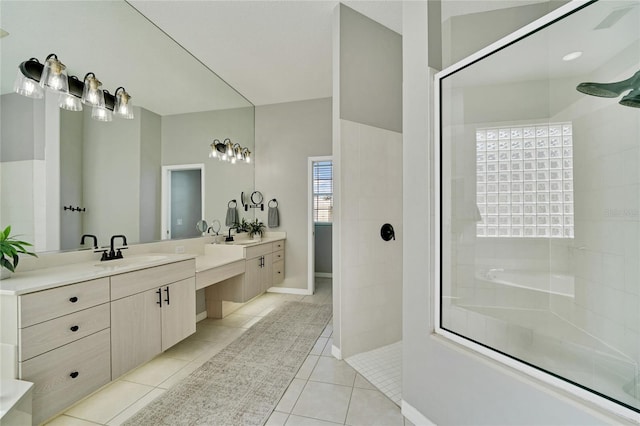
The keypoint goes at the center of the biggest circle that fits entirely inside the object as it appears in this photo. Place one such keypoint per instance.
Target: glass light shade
(238, 152)
(101, 114)
(214, 152)
(229, 150)
(233, 159)
(246, 154)
(69, 102)
(123, 107)
(92, 94)
(54, 75)
(27, 87)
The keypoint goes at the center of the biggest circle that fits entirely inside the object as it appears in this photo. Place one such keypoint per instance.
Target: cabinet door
(266, 273)
(252, 278)
(135, 331)
(178, 311)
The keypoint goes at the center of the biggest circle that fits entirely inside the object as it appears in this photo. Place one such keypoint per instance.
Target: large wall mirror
(52, 158)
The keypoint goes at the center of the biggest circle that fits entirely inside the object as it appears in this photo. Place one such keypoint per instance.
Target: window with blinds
(323, 191)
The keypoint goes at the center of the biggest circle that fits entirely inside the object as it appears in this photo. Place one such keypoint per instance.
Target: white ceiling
(270, 51)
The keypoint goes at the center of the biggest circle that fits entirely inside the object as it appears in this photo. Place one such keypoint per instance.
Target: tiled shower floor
(383, 368)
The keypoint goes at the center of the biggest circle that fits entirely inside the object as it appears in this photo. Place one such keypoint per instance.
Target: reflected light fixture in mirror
(229, 152)
(68, 101)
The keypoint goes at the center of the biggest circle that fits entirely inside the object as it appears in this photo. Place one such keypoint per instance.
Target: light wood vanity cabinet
(63, 339)
(264, 268)
(155, 310)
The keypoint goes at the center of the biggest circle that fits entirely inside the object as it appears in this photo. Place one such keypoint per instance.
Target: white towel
(273, 217)
(232, 216)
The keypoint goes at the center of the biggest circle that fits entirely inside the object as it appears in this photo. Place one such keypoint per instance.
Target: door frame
(311, 264)
(166, 194)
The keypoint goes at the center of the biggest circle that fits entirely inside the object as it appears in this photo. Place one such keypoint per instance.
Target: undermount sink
(245, 242)
(134, 260)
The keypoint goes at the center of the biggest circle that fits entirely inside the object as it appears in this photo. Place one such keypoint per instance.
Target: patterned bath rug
(242, 384)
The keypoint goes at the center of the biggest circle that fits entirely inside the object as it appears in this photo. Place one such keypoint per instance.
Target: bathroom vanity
(79, 326)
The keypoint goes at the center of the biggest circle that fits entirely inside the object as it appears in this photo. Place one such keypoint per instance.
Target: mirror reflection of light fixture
(229, 152)
(54, 75)
(101, 114)
(123, 107)
(68, 101)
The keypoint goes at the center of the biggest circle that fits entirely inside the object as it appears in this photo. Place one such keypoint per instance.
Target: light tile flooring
(326, 391)
(383, 368)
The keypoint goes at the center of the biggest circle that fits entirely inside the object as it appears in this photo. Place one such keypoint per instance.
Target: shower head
(610, 90)
(632, 99)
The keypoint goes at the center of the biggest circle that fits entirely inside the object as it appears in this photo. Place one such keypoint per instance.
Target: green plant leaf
(6, 264)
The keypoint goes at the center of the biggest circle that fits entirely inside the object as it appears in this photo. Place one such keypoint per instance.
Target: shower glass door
(539, 201)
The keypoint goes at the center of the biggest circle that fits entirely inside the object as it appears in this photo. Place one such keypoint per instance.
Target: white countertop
(224, 253)
(11, 392)
(46, 278)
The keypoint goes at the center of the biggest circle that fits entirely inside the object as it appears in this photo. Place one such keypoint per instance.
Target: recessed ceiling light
(571, 56)
(3, 33)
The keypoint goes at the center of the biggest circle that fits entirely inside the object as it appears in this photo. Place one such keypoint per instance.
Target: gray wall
(186, 203)
(442, 381)
(71, 127)
(186, 139)
(287, 135)
(22, 128)
(150, 183)
(370, 72)
(323, 239)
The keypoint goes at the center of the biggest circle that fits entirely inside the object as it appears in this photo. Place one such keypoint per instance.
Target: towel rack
(234, 202)
(273, 200)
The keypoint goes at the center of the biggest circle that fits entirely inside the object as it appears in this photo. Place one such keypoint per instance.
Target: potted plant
(10, 248)
(242, 226)
(256, 228)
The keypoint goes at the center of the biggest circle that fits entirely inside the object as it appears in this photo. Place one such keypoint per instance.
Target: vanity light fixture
(54, 75)
(25, 85)
(92, 94)
(123, 107)
(229, 152)
(33, 77)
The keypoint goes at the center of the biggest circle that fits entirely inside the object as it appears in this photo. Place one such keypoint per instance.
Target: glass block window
(323, 191)
(524, 178)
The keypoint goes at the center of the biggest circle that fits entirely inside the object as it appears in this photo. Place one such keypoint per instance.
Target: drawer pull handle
(74, 328)
(159, 293)
(167, 299)
(74, 374)
(73, 299)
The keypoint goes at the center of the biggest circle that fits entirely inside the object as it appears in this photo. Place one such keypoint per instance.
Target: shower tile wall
(604, 255)
(371, 289)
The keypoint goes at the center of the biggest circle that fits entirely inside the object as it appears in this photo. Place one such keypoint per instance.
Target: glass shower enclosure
(538, 201)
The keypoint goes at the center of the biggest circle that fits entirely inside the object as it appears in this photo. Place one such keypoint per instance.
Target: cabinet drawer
(124, 285)
(48, 304)
(255, 251)
(51, 334)
(278, 255)
(278, 272)
(278, 245)
(64, 375)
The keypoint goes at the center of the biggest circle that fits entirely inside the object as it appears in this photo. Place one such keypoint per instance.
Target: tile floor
(383, 368)
(326, 391)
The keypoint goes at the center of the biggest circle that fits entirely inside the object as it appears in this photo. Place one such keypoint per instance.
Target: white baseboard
(335, 351)
(289, 290)
(415, 416)
(323, 275)
(200, 316)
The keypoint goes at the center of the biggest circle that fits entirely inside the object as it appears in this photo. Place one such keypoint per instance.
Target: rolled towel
(273, 219)
(232, 216)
